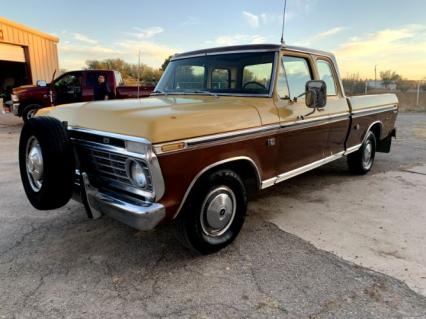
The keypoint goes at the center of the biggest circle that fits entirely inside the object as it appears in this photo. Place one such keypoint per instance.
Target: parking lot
(323, 245)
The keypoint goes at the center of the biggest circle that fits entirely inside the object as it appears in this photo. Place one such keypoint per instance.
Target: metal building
(26, 55)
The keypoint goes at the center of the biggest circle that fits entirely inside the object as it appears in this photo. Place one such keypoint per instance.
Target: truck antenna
(282, 31)
(139, 71)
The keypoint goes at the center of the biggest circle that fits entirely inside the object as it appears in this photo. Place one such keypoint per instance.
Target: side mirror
(316, 94)
(41, 83)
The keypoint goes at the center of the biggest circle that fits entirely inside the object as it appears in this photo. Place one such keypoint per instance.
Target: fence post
(418, 93)
(366, 87)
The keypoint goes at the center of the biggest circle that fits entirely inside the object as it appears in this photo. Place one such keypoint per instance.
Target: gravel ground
(60, 264)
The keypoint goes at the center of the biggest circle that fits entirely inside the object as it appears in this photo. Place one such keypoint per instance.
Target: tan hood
(161, 118)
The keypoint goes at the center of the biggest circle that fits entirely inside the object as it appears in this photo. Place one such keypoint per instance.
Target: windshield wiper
(158, 92)
(205, 92)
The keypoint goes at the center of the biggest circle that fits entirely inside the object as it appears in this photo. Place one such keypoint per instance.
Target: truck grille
(109, 169)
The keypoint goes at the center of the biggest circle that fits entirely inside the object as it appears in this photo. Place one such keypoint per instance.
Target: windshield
(234, 73)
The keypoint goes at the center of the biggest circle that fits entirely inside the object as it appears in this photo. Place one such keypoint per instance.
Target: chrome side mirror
(316, 94)
(41, 83)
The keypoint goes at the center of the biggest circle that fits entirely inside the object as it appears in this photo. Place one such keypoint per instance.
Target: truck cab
(70, 87)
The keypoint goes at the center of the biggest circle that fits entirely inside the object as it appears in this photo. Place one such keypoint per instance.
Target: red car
(70, 87)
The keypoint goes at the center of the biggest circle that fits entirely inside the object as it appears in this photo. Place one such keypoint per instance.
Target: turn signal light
(173, 147)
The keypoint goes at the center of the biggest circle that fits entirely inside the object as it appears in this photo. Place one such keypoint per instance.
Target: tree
(389, 77)
(166, 63)
(129, 72)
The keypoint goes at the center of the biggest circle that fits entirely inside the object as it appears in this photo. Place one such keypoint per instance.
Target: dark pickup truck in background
(70, 87)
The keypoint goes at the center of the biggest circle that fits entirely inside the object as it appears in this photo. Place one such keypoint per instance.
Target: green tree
(389, 77)
(166, 63)
(129, 72)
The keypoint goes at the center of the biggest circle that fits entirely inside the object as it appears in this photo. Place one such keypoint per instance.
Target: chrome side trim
(375, 110)
(353, 149)
(195, 179)
(217, 137)
(191, 142)
(287, 175)
(268, 183)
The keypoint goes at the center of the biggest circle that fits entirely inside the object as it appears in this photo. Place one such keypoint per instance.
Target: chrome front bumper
(136, 214)
(15, 108)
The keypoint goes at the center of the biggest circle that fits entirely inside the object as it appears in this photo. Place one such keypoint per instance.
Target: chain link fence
(411, 97)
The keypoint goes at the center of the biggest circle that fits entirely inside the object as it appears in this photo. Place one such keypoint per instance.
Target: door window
(297, 71)
(69, 81)
(326, 74)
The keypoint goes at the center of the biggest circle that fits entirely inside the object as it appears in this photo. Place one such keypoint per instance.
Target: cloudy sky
(388, 33)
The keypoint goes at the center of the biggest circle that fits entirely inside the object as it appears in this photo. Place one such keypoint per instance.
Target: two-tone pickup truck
(70, 87)
(221, 123)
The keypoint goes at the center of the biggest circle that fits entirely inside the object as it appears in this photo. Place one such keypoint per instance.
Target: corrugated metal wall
(41, 48)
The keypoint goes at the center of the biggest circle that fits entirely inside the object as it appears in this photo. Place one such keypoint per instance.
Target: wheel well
(26, 103)
(244, 167)
(247, 171)
(377, 131)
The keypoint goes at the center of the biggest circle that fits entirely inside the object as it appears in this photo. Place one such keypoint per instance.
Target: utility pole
(139, 72)
(418, 92)
(375, 76)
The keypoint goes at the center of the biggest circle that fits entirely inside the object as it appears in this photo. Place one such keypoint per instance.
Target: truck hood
(30, 89)
(161, 118)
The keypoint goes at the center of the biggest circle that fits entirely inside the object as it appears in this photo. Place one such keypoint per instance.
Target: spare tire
(46, 162)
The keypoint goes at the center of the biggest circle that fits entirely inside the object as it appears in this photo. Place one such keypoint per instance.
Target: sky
(388, 33)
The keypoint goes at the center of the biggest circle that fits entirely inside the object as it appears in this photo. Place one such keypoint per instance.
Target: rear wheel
(214, 213)
(361, 161)
(29, 111)
(46, 163)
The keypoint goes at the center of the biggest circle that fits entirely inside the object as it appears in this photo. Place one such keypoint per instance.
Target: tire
(223, 194)
(29, 111)
(46, 162)
(361, 161)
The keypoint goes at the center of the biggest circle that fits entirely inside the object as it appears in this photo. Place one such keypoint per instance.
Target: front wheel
(46, 163)
(29, 111)
(361, 161)
(214, 213)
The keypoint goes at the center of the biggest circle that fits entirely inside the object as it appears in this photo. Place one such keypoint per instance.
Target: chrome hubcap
(367, 156)
(30, 114)
(34, 164)
(218, 211)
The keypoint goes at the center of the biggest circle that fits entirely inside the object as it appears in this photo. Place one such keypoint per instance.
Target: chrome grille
(105, 166)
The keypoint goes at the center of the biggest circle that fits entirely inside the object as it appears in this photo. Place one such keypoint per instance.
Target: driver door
(68, 88)
(303, 137)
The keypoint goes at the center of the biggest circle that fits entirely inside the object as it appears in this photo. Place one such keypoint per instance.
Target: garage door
(11, 53)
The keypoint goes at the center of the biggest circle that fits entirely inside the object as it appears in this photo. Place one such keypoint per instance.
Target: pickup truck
(70, 87)
(221, 123)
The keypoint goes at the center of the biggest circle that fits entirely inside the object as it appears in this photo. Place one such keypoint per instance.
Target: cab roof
(250, 48)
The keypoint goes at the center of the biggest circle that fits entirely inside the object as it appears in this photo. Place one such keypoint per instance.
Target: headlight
(136, 173)
(14, 98)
